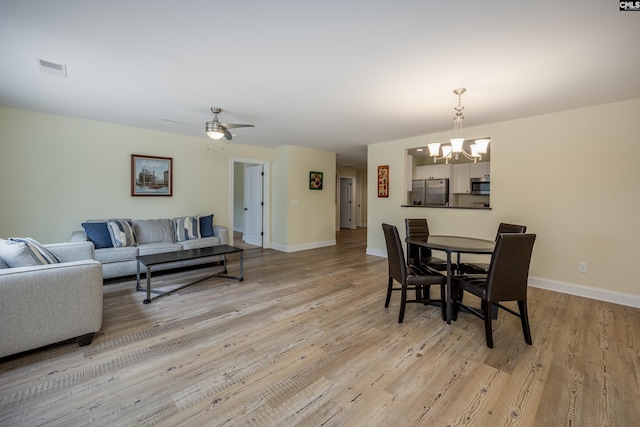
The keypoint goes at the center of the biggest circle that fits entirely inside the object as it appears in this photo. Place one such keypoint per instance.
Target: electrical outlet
(582, 267)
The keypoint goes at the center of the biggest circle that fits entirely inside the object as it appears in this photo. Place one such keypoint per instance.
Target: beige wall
(307, 215)
(571, 177)
(59, 171)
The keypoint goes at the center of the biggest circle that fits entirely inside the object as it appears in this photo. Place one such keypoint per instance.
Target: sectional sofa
(118, 241)
(51, 302)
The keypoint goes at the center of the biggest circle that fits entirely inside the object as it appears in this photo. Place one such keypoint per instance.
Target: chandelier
(478, 148)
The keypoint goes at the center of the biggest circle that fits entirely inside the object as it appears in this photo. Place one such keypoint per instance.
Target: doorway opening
(249, 203)
(347, 209)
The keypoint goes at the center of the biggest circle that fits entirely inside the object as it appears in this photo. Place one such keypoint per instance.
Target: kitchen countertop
(447, 207)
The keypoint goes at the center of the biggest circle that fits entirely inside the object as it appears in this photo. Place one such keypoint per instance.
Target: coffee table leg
(448, 287)
(241, 273)
(148, 300)
(138, 277)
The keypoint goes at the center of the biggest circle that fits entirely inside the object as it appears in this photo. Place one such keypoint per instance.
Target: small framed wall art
(315, 180)
(383, 181)
(151, 175)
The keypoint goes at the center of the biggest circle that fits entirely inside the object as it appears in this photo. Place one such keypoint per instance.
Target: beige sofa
(46, 304)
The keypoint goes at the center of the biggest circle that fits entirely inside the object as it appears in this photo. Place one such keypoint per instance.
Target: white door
(253, 178)
(345, 203)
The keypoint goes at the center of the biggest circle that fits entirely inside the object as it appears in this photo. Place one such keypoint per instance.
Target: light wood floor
(306, 340)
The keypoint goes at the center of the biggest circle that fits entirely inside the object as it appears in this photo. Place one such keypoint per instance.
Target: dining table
(449, 245)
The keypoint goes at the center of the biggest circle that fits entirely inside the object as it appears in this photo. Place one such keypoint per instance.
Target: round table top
(454, 244)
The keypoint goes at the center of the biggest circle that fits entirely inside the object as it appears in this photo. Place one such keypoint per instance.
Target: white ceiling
(332, 75)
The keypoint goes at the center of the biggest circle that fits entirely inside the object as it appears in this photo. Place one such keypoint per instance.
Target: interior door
(253, 179)
(345, 203)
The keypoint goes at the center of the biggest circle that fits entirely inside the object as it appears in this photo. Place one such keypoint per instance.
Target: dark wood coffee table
(167, 257)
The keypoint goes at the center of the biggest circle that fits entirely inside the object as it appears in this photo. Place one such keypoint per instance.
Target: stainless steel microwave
(481, 186)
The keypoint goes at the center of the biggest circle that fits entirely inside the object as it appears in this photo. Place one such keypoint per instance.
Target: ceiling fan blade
(180, 123)
(231, 126)
(227, 135)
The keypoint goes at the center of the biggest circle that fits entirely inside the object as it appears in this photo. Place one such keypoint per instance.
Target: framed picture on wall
(383, 181)
(151, 175)
(315, 180)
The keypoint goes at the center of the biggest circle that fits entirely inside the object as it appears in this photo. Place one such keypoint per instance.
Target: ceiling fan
(217, 130)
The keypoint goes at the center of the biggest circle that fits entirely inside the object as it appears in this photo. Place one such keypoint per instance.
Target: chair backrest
(509, 268)
(417, 227)
(510, 228)
(395, 255)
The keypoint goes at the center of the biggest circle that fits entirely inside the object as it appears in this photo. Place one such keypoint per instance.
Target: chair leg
(389, 290)
(486, 311)
(426, 292)
(494, 311)
(443, 302)
(455, 304)
(524, 318)
(403, 302)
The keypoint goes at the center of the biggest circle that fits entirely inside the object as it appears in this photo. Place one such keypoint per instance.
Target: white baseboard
(303, 247)
(621, 298)
(586, 292)
(376, 252)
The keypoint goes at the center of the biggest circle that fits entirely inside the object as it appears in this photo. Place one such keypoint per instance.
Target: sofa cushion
(157, 248)
(109, 255)
(153, 230)
(200, 243)
(121, 233)
(98, 233)
(187, 228)
(25, 252)
(206, 226)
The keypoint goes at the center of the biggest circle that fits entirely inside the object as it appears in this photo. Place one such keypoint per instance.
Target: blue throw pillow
(98, 233)
(206, 226)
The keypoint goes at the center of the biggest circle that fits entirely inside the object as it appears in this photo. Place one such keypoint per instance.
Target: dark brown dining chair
(416, 255)
(505, 281)
(483, 268)
(410, 277)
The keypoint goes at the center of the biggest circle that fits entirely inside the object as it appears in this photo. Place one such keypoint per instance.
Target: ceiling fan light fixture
(214, 130)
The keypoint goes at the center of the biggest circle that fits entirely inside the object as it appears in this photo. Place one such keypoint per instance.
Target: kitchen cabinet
(433, 171)
(461, 175)
(479, 170)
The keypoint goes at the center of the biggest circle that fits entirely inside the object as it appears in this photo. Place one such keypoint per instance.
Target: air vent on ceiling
(52, 68)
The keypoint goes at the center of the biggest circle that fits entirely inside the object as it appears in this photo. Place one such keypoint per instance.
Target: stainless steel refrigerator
(430, 192)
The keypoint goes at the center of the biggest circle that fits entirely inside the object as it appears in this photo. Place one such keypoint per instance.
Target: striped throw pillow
(121, 233)
(187, 228)
(25, 252)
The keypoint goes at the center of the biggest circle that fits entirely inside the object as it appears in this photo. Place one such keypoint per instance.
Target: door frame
(266, 209)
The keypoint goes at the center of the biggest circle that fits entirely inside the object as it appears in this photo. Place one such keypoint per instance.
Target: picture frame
(383, 181)
(315, 180)
(151, 176)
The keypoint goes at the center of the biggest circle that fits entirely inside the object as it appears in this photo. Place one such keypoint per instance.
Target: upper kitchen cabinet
(433, 172)
(479, 170)
(463, 172)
